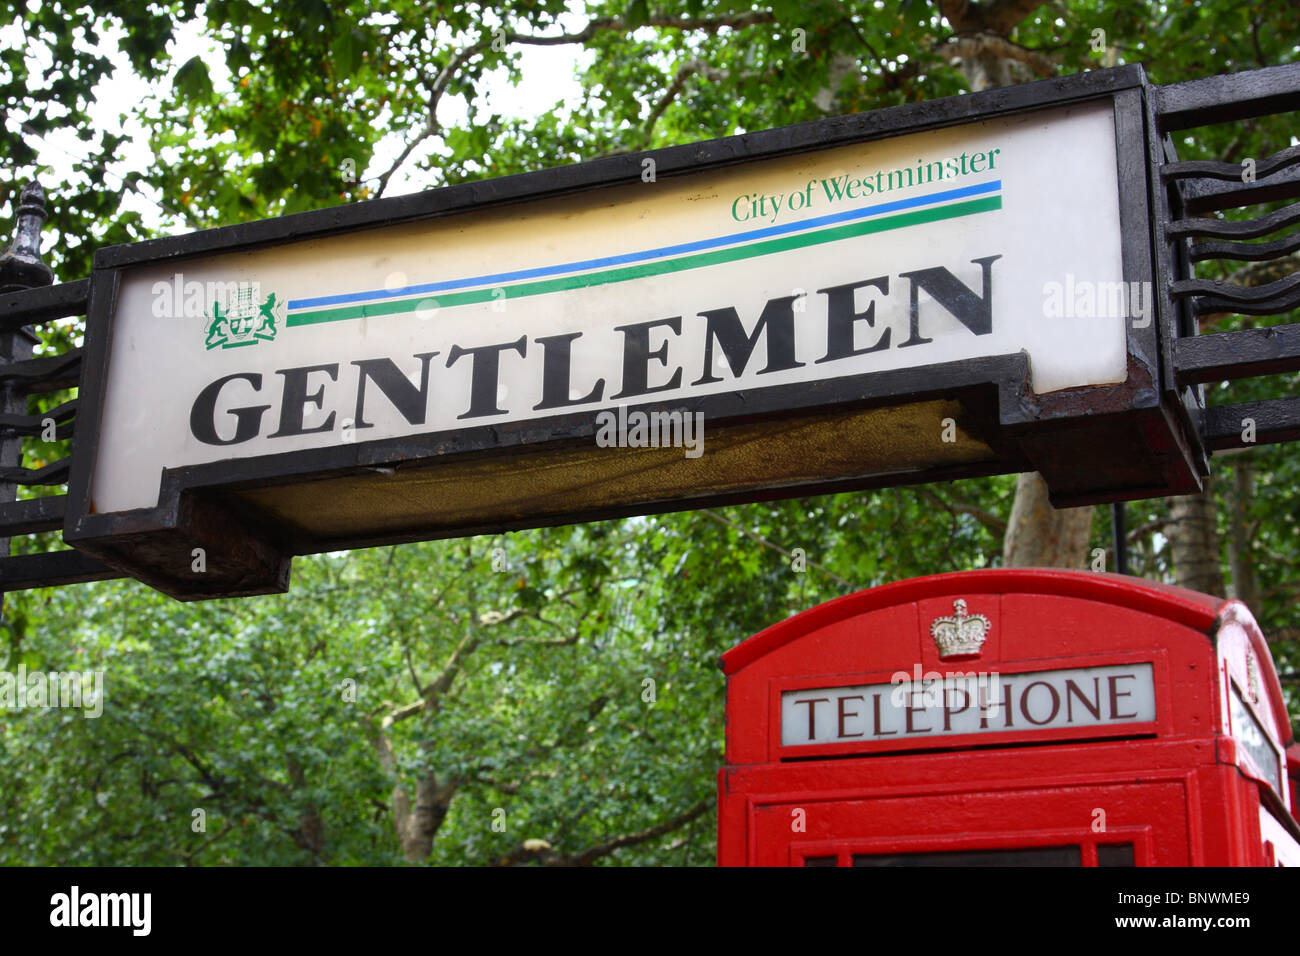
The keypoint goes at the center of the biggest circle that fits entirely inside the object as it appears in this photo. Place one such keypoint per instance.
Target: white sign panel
(970, 704)
(907, 252)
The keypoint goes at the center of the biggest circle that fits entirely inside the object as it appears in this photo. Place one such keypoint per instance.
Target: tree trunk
(421, 824)
(1194, 542)
(417, 825)
(1245, 586)
(309, 835)
(1039, 535)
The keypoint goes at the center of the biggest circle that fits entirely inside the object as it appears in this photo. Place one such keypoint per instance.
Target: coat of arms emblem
(961, 635)
(244, 321)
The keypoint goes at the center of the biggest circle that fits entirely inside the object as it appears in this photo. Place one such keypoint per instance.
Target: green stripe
(642, 270)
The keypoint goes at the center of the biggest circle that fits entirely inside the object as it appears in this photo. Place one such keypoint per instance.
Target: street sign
(920, 293)
(991, 283)
(907, 713)
(804, 270)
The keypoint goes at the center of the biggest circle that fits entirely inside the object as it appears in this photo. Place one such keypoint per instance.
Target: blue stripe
(500, 277)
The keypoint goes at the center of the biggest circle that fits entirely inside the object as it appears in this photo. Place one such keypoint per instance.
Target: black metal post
(1121, 537)
(20, 268)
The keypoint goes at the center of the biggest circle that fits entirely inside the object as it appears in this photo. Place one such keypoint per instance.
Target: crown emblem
(961, 635)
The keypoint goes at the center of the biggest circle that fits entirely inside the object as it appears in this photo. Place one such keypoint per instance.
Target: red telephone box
(1009, 717)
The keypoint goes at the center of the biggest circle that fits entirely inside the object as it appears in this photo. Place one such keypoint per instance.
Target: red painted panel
(1189, 608)
(1171, 787)
(1034, 816)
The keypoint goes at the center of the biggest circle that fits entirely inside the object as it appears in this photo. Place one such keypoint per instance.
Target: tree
(239, 708)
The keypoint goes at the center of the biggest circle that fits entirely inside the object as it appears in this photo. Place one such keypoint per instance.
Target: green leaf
(345, 53)
(638, 12)
(192, 81)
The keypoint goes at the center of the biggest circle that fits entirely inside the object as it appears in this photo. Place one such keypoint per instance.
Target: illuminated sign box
(943, 290)
(903, 712)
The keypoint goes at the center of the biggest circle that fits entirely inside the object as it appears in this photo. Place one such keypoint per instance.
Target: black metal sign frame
(1146, 436)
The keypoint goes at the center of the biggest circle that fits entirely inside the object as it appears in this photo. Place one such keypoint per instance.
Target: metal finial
(21, 266)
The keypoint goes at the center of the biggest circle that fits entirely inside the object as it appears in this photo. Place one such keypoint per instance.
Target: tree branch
(432, 126)
(545, 854)
(738, 21)
(971, 47)
(684, 72)
(189, 855)
(998, 16)
(958, 507)
(775, 547)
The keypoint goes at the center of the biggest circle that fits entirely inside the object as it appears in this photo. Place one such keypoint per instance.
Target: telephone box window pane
(1255, 741)
(1115, 854)
(1020, 856)
(819, 861)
